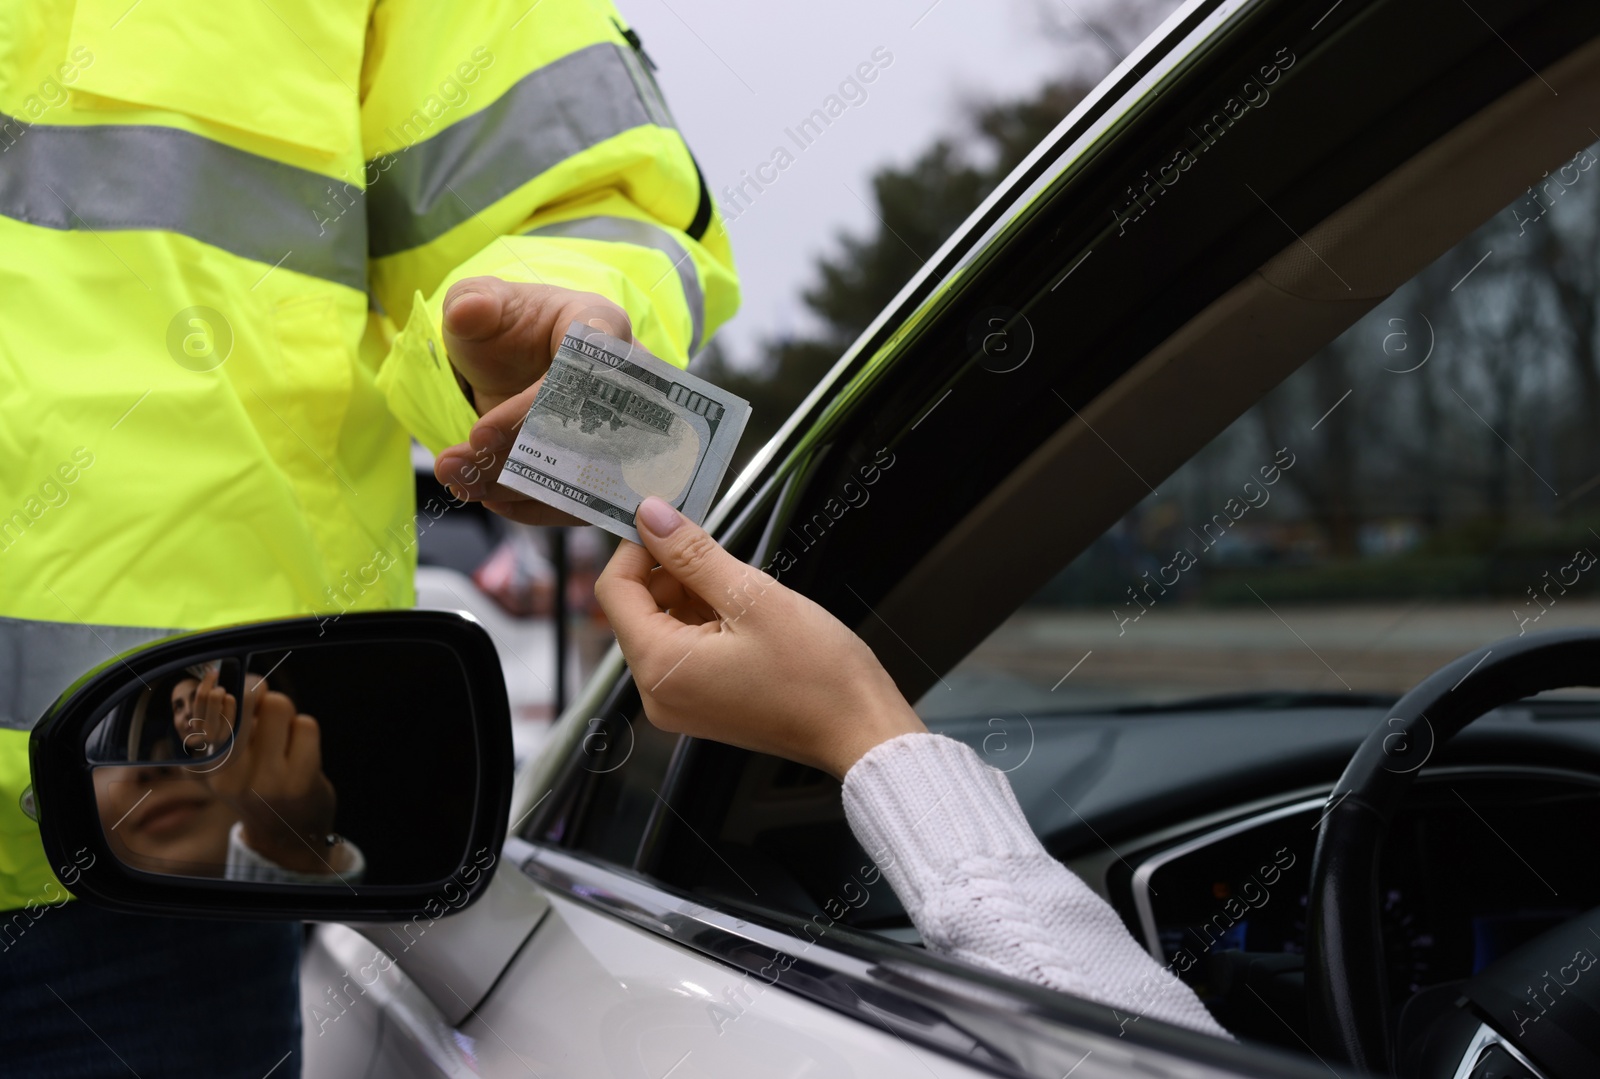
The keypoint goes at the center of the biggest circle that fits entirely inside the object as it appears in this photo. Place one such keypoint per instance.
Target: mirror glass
(328, 765)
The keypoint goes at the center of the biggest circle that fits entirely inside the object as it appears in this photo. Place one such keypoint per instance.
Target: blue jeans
(87, 993)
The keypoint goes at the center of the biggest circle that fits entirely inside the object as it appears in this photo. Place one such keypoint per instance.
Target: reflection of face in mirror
(262, 810)
(184, 719)
(162, 817)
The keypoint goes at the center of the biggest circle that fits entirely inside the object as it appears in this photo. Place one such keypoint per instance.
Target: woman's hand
(273, 778)
(204, 717)
(723, 651)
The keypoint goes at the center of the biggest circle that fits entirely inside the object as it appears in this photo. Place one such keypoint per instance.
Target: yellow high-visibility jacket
(226, 231)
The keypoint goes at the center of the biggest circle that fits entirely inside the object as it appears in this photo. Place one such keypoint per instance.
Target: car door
(927, 488)
(630, 976)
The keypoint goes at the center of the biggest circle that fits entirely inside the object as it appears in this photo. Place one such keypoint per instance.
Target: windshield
(1424, 486)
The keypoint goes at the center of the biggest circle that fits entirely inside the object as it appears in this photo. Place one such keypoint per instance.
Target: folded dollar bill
(613, 424)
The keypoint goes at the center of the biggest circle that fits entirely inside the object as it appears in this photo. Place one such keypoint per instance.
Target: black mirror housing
(402, 715)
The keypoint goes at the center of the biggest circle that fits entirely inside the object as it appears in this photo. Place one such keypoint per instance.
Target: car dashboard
(1200, 828)
(1479, 861)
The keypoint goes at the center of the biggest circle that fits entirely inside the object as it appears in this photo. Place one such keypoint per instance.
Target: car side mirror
(350, 769)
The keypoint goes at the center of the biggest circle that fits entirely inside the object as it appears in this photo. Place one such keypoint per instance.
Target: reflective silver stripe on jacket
(422, 191)
(39, 660)
(645, 83)
(630, 230)
(111, 177)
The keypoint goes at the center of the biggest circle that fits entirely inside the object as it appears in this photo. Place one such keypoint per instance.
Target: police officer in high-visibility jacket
(246, 252)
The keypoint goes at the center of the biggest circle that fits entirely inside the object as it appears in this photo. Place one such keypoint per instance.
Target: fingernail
(658, 518)
(456, 297)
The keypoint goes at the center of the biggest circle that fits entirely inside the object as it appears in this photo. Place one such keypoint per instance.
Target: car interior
(1006, 561)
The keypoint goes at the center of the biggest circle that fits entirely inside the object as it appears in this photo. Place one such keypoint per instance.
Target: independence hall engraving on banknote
(577, 392)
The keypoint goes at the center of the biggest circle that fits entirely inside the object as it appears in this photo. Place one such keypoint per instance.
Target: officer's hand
(274, 781)
(721, 650)
(501, 336)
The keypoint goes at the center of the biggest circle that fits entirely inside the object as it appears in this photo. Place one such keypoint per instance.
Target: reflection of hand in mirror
(202, 714)
(274, 780)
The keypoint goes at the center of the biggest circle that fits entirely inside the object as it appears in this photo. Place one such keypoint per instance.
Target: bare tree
(1569, 247)
(1112, 28)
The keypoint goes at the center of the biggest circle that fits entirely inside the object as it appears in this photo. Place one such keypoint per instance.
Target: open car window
(1425, 484)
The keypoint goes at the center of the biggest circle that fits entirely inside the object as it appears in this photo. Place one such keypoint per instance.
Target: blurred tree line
(1495, 430)
(1446, 445)
(919, 205)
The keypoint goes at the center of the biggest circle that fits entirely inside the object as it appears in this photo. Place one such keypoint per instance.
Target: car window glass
(1426, 484)
(621, 766)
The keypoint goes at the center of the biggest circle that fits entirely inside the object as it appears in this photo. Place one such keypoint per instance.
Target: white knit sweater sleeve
(947, 832)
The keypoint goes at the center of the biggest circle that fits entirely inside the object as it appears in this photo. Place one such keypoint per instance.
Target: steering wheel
(1493, 1029)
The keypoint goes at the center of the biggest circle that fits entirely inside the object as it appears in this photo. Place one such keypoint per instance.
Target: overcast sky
(737, 77)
